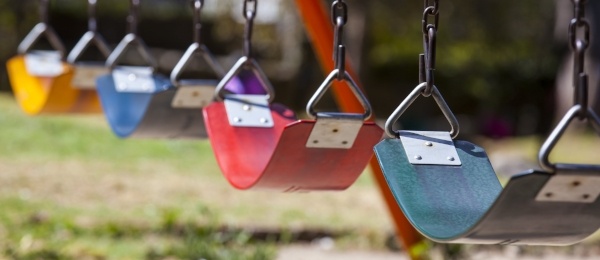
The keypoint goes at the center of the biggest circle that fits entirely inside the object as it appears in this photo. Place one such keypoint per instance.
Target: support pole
(318, 27)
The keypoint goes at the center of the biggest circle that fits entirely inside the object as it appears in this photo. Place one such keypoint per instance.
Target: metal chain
(44, 11)
(198, 5)
(132, 19)
(427, 59)
(339, 18)
(249, 13)
(92, 24)
(579, 37)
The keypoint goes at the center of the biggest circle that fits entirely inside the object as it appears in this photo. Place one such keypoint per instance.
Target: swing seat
(277, 157)
(50, 93)
(150, 111)
(86, 73)
(466, 204)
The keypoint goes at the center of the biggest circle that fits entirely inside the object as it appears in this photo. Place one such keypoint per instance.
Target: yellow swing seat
(44, 95)
(41, 80)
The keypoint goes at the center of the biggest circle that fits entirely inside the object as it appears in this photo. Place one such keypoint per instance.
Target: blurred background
(496, 66)
(69, 189)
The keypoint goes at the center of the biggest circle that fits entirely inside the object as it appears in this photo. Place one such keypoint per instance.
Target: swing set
(449, 191)
(433, 184)
(45, 84)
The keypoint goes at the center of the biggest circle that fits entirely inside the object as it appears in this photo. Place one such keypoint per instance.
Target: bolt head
(418, 157)
(237, 119)
(450, 158)
(429, 144)
(131, 77)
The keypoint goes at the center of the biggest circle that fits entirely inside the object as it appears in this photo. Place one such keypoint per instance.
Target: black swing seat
(466, 203)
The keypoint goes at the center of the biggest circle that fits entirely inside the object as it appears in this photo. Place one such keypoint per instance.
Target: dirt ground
(316, 252)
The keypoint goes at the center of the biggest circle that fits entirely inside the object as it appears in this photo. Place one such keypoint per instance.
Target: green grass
(87, 138)
(70, 189)
(35, 226)
(34, 230)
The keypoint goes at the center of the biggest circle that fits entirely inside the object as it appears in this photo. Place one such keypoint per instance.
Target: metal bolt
(450, 158)
(315, 141)
(549, 195)
(246, 107)
(146, 86)
(237, 119)
(335, 130)
(264, 120)
(131, 77)
(430, 144)
(576, 183)
(418, 157)
(345, 142)
(195, 94)
(586, 196)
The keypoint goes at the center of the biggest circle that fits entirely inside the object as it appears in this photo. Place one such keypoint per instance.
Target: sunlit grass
(70, 189)
(35, 230)
(98, 195)
(88, 138)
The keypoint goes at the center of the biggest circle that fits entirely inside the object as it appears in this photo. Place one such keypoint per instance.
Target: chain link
(132, 19)
(43, 10)
(339, 10)
(427, 59)
(579, 39)
(198, 5)
(431, 10)
(249, 12)
(339, 17)
(92, 24)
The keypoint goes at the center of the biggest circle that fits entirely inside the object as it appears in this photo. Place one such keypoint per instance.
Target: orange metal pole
(320, 31)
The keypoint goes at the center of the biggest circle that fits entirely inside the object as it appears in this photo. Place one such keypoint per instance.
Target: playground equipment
(449, 191)
(260, 145)
(138, 102)
(129, 114)
(314, 14)
(86, 72)
(41, 80)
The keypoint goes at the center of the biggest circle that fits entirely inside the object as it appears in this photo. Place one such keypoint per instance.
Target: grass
(34, 230)
(69, 189)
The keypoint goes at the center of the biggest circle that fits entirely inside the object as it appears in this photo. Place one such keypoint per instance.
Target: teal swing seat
(449, 191)
(466, 204)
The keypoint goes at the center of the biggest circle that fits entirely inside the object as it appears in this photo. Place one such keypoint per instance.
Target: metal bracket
(134, 79)
(249, 111)
(194, 93)
(570, 188)
(429, 148)
(44, 63)
(335, 130)
(86, 73)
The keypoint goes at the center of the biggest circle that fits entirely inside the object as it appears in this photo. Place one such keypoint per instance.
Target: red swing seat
(277, 158)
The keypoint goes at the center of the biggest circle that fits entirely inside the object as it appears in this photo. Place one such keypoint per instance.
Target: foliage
(494, 58)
